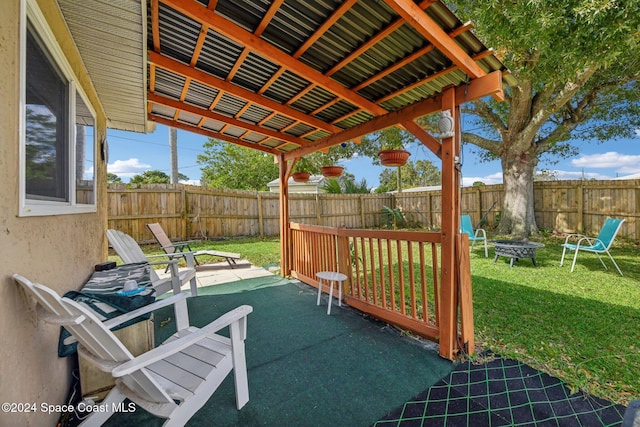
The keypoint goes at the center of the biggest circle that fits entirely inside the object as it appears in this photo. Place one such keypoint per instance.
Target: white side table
(331, 276)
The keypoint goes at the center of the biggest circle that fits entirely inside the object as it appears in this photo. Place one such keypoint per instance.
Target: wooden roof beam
(211, 134)
(337, 14)
(268, 16)
(490, 84)
(377, 37)
(408, 59)
(434, 77)
(181, 106)
(234, 32)
(430, 30)
(209, 80)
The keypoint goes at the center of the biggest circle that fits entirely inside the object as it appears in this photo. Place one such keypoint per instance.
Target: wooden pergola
(290, 77)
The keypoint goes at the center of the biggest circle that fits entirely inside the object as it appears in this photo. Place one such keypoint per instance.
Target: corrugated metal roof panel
(118, 68)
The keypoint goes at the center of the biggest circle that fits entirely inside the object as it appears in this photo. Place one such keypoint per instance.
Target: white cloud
(578, 175)
(191, 182)
(127, 168)
(621, 163)
(495, 178)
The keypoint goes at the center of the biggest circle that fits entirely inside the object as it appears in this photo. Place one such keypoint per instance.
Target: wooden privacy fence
(391, 275)
(195, 212)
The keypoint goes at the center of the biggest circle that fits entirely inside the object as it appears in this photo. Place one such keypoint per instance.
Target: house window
(58, 128)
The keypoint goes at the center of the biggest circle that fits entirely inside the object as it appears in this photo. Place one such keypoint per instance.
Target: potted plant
(333, 171)
(393, 153)
(301, 170)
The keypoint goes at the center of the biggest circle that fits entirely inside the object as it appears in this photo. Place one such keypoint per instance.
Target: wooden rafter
(209, 80)
(181, 106)
(234, 32)
(268, 16)
(428, 79)
(211, 134)
(403, 62)
(337, 14)
(488, 85)
(155, 25)
(202, 36)
(393, 26)
(430, 30)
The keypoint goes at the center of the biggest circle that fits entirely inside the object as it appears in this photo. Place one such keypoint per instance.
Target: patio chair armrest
(173, 300)
(173, 347)
(573, 235)
(182, 315)
(590, 240)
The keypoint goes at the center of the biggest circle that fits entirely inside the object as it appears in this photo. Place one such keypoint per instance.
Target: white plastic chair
(129, 251)
(173, 380)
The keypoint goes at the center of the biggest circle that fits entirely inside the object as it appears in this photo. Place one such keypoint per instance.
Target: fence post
(363, 223)
(185, 214)
(580, 226)
(260, 216)
(318, 213)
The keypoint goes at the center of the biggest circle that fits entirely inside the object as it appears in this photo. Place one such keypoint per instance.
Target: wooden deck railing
(392, 275)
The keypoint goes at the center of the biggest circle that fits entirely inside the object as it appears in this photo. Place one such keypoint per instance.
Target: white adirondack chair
(187, 368)
(127, 248)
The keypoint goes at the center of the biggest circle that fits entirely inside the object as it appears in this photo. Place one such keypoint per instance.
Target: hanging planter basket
(301, 176)
(394, 158)
(331, 171)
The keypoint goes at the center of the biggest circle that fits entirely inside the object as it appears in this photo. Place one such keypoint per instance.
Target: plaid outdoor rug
(502, 392)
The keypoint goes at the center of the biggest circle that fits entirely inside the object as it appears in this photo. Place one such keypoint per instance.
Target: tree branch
(492, 146)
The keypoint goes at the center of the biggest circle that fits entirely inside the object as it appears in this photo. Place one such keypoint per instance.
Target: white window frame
(30, 207)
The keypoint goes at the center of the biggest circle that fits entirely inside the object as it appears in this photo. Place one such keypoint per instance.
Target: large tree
(232, 166)
(155, 177)
(419, 173)
(576, 63)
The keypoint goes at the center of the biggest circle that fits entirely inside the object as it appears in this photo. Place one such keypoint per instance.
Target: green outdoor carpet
(307, 368)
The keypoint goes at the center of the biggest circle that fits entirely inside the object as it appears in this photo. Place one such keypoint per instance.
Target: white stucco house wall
(66, 78)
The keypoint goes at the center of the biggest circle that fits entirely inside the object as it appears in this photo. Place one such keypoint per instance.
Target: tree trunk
(518, 215)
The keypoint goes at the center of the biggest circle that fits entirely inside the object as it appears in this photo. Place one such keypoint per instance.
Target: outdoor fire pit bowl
(516, 249)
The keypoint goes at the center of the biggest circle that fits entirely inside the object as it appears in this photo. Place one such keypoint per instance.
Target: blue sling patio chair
(597, 245)
(467, 227)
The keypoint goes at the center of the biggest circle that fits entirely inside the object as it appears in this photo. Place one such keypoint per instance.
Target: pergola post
(449, 230)
(286, 246)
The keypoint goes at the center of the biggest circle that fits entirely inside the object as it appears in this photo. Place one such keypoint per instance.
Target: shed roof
(281, 76)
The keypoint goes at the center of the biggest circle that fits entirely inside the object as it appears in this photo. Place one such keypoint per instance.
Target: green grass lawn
(582, 327)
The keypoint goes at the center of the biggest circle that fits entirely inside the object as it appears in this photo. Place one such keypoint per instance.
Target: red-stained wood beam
(408, 59)
(209, 80)
(491, 84)
(210, 134)
(155, 25)
(423, 136)
(268, 16)
(181, 106)
(434, 77)
(199, 43)
(448, 303)
(201, 14)
(337, 14)
(430, 30)
(393, 26)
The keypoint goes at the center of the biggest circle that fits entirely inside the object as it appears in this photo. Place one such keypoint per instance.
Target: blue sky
(133, 153)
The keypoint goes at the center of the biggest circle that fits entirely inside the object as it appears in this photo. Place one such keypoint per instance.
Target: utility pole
(173, 148)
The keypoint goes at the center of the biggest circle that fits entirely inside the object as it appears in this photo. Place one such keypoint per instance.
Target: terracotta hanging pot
(394, 158)
(331, 171)
(301, 176)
